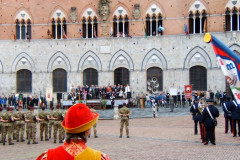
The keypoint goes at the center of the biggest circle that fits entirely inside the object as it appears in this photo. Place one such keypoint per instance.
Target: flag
(80, 31)
(40, 100)
(205, 26)
(186, 29)
(64, 34)
(229, 62)
(160, 28)
(145, 32)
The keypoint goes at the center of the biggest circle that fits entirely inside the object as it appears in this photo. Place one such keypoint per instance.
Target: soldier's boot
(46, 139)
(35, 142)
(55, 141)
(61, 141)
(23, 140)
(28, 142)
(17, 140)
(10, 142)
(1, 141)
(95, 136)
(41, 138)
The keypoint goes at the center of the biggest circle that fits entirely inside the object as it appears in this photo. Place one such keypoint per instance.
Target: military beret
(1, 108)
(196, 99)
(124, 104)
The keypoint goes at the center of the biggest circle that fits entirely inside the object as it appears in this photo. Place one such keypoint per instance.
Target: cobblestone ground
(164, 137)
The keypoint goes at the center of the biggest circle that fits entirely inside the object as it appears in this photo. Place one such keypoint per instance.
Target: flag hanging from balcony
(64, 34)
(229, 62)
(186, 29)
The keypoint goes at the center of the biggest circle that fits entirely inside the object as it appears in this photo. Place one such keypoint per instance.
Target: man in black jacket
(194, 111)
(210, 113)
(235, 115)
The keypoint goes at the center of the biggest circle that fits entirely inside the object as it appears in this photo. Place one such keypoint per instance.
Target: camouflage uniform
(124, 120)
(20, 125)
(50, 124)
(7, 127)
(1, 127)
(57, 127)
(95, 125)
(43, 125)
(31, 126)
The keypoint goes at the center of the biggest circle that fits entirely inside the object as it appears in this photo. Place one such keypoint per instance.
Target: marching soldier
(1, 125)
(201, 105)
(7, 119)
(51, 122)
(43, 119)
(31, 119)
(20, 124)
(235, 115)
(227, 113)
(194, 112)
(209, 116)
(95, 125)
(124, 112)
(57, 117)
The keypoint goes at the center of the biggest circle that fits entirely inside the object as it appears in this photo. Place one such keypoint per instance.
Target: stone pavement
(169, 136)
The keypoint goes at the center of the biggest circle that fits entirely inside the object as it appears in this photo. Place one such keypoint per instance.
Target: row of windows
(198, 78)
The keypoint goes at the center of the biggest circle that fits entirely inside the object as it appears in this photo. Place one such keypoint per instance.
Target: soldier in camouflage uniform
(1, 125)
(43, 118)
(7, 119)
(62, 129)
(51, 122)
(31, 120)
(57, 127)
(20, 124)
(124, 112)
(95, 125)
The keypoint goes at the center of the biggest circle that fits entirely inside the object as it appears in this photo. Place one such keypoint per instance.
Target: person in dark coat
(227, 113)
(194, 112)
(235, 115)
(208, 121)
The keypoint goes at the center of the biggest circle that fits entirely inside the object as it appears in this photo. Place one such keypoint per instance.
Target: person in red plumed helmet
(77, 123)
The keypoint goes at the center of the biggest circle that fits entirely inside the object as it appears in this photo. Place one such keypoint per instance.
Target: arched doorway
(198, 78)
(24, 81)
(158, 74)
(90, 77)
(121, 76)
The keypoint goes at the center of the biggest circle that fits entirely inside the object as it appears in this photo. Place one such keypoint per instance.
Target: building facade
(57, 44)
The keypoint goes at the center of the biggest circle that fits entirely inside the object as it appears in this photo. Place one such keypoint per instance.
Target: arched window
(121, 76)
(90, 27)
(120, 26)
(198, 78)
(59, 80)
(158, 74)
(197, 22)
(234, 19)
(23, 29)
(59, 28)
(152, 25)
(90, 77)
(227, 20)
(24, 81)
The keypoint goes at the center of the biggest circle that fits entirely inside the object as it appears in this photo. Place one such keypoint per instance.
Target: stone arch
(119, 58)
(53, 62)
(53, 14)
(26, 12)
(29, 63)
(201, 58)
(157, 58)
(84, 63)
(235, 47)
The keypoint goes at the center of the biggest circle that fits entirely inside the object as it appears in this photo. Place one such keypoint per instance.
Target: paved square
(165, 137)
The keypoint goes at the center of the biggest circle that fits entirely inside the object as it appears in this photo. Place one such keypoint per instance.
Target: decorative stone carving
(136, 11)
(73, 14)
(104, 26)
(104, 9)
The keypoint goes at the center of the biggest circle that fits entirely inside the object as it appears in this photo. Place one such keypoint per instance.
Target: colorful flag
(64, 34)
(80, 31)
(145, 32)
(186, 29)
(205, 26)
(229, 62)
(160, 28)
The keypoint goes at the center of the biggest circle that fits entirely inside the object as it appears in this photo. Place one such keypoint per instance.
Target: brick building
(58, 43)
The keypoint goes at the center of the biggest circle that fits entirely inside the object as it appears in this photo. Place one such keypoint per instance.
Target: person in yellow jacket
(77, 123)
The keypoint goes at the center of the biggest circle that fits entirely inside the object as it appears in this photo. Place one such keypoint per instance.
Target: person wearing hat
(209, 115)
(124, 112)
(77, 123)
(194, 111)
(20, 124)
(1, 125)
(31, 120)
(57, 128)
(235, 115)
(95, 125)
(43, 119)
(51, 122)
(7, 119)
